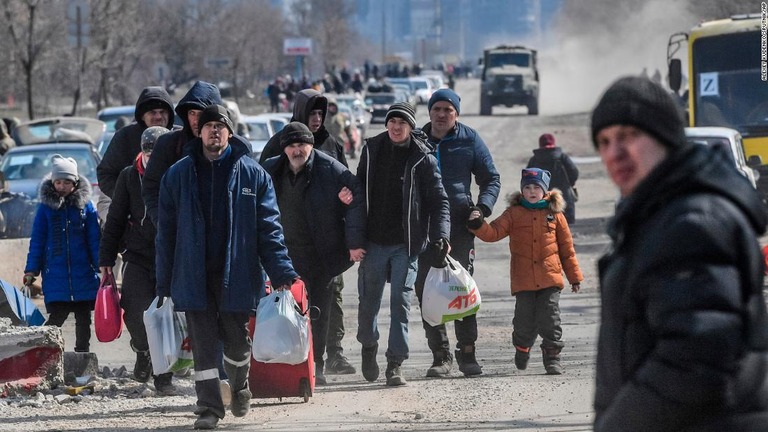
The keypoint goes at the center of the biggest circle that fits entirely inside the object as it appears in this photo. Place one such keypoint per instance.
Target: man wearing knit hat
(461, 154)
(552, 158)
(407, 210)
(682, 342)
(324, 232)
(218, 224)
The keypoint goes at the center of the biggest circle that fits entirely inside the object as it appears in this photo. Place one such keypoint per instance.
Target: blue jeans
(384, 263)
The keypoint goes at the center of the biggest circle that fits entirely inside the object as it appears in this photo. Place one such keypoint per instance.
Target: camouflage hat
(149, 137)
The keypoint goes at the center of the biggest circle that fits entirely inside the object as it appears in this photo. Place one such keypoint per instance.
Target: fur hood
(554, 197)
(78, 198)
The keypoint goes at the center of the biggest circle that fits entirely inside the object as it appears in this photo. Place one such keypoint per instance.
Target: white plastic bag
(281, 334)
(450, 293)
(170, 347)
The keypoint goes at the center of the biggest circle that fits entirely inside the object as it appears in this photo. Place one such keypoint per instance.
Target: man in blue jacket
(461, 153)
(217, 221)
(324, 231)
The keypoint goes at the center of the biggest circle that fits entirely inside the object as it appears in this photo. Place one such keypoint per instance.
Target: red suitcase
(278, 380)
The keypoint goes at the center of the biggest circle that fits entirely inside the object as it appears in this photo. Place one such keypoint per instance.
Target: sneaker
(465, 357)
(163, 384)
(241, 402)
(339, 364)
(226, 392)
(394, 375)
(522, 355)
(441, 366)
(142, 370)
(551, 358)
(319, 375)
(370, 367)
(206, 421)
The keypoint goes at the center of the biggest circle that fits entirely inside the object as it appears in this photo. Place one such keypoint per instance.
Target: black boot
(441, 366)
(465, 357)
(163, 384)
(370, 367)
(522, 355)
(142, 370)
(551, 358)
(319, 375)
(338, 364)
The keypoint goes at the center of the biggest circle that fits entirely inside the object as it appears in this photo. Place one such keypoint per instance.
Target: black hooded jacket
(304, 103)
(126, 143)
(564, 171)
(170, 147)
(683, 340)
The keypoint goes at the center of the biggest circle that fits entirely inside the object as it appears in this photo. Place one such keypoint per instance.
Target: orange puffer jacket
(540, 243)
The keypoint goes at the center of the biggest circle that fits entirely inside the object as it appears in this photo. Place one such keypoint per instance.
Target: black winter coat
(683, 340)
(128, 220)
(564, 171)
(426, 214)
(335, 227)
(126, 143)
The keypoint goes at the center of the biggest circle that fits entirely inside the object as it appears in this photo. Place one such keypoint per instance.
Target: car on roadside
(259, 132)
(729, 142)
(380, 103)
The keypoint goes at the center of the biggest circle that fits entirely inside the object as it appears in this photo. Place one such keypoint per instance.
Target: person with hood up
(65, 247)
(173, 146)
(683, 339)
(552, 158)
(218, 224)
(129, 227)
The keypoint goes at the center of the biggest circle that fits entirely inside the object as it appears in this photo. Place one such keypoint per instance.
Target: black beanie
(640, 102)
(296, 132)
(402, 110)
(215, 113)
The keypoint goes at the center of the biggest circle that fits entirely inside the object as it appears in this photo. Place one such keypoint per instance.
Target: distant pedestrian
(541, 249)
(65, 247)
(552, 158)
(683, 340)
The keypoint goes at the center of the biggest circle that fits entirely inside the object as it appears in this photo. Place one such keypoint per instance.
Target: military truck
(510, 77)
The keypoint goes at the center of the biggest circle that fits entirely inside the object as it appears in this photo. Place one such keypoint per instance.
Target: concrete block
(79, 364)
(31, 358)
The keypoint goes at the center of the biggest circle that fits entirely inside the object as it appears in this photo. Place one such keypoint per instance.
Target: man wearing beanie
(683, 342)
(324, 232)
(407, 210)
(552, 158)
(461, 154)
(218, 224)
(311, 108)
(137, 247)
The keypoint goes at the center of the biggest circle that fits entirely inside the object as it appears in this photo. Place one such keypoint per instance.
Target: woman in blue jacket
(65, 248)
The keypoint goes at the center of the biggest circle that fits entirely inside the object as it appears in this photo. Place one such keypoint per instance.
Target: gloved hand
(475, 222)
(438, 250)
(29, 279)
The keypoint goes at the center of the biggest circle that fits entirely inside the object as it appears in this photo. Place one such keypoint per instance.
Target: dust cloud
(583, 54)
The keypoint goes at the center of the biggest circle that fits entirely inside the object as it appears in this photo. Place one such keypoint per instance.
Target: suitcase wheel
(305, 391)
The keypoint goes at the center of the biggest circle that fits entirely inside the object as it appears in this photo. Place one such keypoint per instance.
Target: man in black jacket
(407, 209)
(324, 231)
(552, 158)
(683, 342)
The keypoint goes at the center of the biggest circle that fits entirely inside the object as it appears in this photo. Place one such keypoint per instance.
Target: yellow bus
(727, 81)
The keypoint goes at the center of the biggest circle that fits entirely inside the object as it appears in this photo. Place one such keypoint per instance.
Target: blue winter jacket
(255, 236)
(460, 155)
(65, 244)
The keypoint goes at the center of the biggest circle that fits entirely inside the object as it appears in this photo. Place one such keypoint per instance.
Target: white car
(730, 141)
(259, 132)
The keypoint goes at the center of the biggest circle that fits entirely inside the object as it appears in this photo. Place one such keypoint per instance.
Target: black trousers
(336, 320)
(138, 291)
(317, 282)
(537, 313)
(58, 313)
(462, 250)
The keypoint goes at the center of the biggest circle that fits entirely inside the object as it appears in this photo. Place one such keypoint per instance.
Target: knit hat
(64, 168)
(216, 113)
(535, 176)
(296, 132)
(445, 94)
(546, 141)
(639, 102)
(402, 110)
(149, 137)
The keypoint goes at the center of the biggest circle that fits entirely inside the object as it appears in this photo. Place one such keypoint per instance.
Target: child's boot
(522, 355)
(551, 357)
(465, 357)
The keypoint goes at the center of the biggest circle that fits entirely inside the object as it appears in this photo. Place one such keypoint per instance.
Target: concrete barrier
(13, 258)
(31, 358)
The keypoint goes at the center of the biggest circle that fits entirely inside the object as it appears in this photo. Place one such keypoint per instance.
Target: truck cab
(510, 77)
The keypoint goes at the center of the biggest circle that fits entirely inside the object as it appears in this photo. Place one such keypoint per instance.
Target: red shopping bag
(108, 317)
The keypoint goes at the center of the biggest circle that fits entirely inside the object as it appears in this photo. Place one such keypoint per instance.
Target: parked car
(25, 167)
(60, 130)
(424, 88)
(729, 141)
(259, 132)
(110, 116)
(277, 120)
(380, 103)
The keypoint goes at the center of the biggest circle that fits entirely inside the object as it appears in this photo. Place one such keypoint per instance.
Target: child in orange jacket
(541, 246)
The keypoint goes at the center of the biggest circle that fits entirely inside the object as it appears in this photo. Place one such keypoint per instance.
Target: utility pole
(383, 33)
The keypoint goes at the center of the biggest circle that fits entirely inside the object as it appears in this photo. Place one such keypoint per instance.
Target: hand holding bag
(450, 293)
(170, 347)
(281, 334)
(108, 317)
